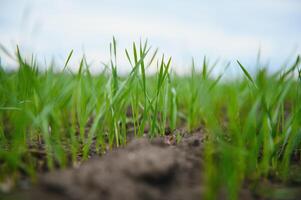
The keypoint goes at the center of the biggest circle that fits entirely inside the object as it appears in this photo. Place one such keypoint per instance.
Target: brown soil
(143, 170)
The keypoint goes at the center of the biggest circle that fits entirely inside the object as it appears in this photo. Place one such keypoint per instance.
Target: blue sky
(224, 29)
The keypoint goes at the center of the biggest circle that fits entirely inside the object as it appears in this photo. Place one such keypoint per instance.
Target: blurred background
(220, 29)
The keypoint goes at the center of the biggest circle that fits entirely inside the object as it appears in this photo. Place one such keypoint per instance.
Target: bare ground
(145, 169)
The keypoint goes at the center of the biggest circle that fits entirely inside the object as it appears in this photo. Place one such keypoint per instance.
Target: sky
(224, 30)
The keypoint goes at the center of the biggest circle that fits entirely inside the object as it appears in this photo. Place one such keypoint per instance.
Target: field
(142, 136)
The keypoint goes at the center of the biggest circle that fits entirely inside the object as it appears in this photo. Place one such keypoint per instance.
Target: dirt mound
(142, 170)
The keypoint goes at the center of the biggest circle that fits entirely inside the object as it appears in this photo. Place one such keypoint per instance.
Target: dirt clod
(143, 170)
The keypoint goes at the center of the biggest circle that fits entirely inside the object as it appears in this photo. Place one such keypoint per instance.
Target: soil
(145, 169)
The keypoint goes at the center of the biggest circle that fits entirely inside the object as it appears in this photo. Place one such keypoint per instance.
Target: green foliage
(252, 132)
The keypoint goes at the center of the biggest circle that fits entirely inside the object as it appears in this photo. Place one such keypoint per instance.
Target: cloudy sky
(220, 29)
